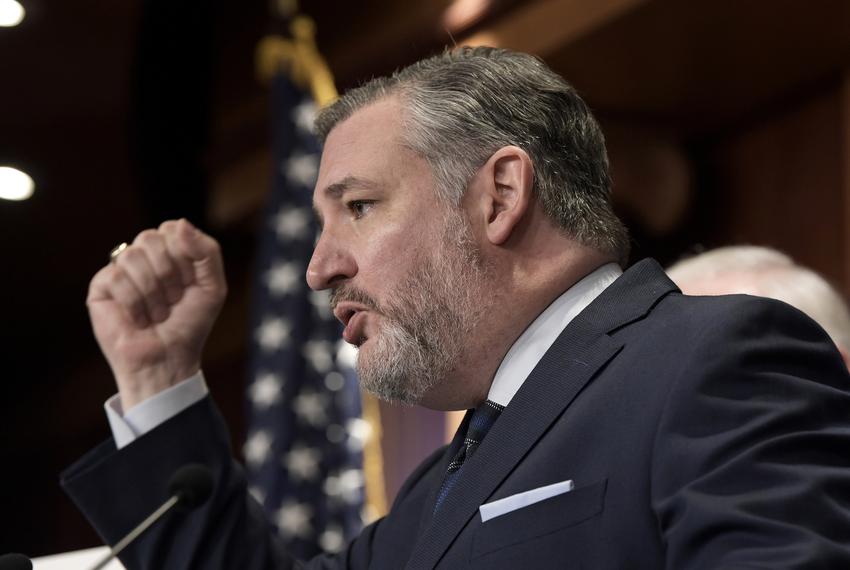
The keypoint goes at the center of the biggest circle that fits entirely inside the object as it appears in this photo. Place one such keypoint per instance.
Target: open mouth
(353, 316)
(355, 330)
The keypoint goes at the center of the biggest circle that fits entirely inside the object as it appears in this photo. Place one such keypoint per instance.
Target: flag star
(292, 223)
(359, 432)
(345, 486)
(273, 333)
(310, 407)
(304, 116)
(293, 519)
(334, 381)
(266, 389)
(301, 169)
(321, 301)
(320, 355)
(346, 355)
(332, 539)
(257, 448)
(284, 278)
(303, 462)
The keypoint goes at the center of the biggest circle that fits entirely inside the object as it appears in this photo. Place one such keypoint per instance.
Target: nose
(331, 264)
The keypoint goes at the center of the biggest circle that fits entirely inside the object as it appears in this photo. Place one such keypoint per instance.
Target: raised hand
(153, 307)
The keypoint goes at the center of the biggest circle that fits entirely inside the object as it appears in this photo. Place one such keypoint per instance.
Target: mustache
(348, 292)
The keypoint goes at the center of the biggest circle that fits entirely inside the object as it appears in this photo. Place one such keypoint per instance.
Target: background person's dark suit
(699, 432)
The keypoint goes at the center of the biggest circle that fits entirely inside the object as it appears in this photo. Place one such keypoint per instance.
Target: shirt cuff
(156, 410)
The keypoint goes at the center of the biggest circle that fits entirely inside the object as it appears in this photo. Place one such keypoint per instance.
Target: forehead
(357, 139)
(369, 147)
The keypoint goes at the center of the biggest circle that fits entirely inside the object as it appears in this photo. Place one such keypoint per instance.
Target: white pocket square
(520, 500)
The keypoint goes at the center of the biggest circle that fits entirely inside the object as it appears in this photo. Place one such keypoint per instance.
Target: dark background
(727, 121)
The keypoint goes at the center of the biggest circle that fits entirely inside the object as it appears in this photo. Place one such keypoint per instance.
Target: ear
(504, 192)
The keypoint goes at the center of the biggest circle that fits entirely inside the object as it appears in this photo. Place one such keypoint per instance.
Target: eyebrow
(336, 191)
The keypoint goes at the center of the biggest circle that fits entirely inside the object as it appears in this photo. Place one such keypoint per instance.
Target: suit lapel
(578, 353)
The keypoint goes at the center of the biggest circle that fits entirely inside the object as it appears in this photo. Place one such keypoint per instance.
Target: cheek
(389, 258)
(394, 246)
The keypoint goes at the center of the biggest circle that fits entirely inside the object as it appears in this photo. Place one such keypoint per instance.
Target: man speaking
(474, 259)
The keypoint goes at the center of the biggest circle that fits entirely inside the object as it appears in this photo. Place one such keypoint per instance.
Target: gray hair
(770, 273)
(463, 105)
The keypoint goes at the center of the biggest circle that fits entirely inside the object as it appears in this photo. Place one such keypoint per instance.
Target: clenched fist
(153, 307)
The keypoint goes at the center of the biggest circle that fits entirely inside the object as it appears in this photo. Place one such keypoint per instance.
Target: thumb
(205, 254)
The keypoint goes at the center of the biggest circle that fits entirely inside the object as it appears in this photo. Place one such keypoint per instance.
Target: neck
(523, 288)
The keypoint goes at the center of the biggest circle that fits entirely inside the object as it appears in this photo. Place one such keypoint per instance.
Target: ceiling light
(463, 14)
(14, 184)
(11, 13)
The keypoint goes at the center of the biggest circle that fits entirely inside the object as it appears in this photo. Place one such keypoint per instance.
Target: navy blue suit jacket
(700, 432)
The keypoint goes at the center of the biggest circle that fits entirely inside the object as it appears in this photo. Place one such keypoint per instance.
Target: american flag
(304, 445)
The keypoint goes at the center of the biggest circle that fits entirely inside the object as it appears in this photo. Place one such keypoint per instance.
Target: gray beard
(427, 321)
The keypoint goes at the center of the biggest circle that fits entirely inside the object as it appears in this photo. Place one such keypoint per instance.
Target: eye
(359, 208)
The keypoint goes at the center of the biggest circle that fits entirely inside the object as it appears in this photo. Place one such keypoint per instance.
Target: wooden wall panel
(780, 183)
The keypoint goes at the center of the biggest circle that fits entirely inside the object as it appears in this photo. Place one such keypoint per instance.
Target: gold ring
(116, 251)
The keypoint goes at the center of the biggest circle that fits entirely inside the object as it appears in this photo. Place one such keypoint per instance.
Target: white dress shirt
(532, 344)
(518, 363)
(143, 417)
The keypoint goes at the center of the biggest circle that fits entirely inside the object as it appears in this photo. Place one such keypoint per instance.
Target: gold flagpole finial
(300, 57)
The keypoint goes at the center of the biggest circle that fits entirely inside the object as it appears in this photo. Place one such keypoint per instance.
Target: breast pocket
(538, 531)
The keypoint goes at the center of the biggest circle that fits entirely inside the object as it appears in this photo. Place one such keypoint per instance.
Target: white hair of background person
(765, 272)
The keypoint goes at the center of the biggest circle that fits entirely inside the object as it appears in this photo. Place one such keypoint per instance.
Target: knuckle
(112, 277)
(147, 237)
(96, 285)
(130, 255)
(168, 226)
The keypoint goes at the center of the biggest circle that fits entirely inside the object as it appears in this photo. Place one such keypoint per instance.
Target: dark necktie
(480, 423)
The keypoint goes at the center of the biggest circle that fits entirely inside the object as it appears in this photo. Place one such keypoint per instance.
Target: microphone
(189, 488)
(192, 485)
(15, 562)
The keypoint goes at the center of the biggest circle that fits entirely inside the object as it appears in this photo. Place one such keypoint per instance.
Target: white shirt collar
(533, 343)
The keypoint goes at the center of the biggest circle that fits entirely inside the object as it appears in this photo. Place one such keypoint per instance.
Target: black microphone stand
(189, 487)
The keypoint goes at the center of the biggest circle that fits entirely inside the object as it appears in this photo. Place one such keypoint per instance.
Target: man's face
(405, 270)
